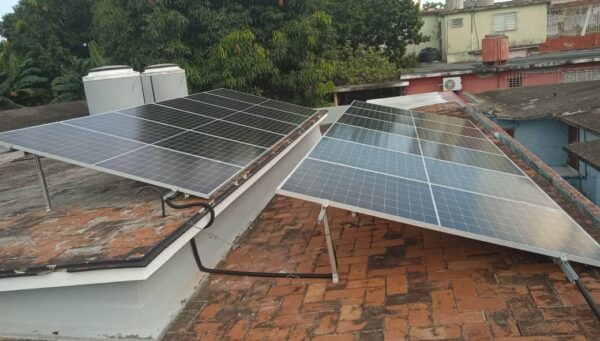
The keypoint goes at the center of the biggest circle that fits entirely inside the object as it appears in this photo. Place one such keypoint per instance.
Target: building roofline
(588, 152)
(498, 5)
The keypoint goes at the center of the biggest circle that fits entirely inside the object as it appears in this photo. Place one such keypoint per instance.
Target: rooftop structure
(576, 101)
(397, 282)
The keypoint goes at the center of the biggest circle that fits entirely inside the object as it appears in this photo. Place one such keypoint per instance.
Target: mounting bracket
(42, 177)
(330, 248)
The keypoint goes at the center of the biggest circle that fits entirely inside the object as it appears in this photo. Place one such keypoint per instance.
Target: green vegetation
(296, 50)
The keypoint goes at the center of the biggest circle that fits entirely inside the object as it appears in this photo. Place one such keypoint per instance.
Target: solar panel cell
(377, 115)
(261, 123)
(239, 96)
(276, 114)
(457, 140)
(220, 101)
(296, 109)
(240, 133)
(449, 128)
(374, 138)
(165, 115)
(399, 129)
(213, 148)
(469, 157)
(70, 142)
(511, 222)
(126, 126)
(370, 158)
(482, 181)
(364, 189)
(170, 169)
(199, 108)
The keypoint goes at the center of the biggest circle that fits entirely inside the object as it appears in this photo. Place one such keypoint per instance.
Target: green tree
(69, 86)
(433, 6)
(48, 32)
(237, 62)
(20, 82)
(363, 65)
(390, 24)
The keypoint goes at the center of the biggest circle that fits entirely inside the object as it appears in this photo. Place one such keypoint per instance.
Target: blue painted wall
(545, 137)
(590, 176)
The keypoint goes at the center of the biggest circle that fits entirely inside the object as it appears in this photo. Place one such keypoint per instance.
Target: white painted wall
(140, 309)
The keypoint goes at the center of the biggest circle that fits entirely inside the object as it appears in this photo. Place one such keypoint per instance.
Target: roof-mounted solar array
(194, 144)
(436, 172)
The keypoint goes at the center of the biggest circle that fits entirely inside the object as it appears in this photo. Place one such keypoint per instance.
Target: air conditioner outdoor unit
(452, 84)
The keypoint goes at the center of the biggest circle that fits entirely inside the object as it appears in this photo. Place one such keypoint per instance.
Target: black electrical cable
(589, 299)
(202, 268)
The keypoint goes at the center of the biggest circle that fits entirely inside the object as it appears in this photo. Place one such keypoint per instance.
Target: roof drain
(574, 278)
(169, 201)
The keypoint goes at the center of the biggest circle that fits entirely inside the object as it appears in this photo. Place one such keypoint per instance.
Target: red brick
(435, 333)
(344, 294)
(501, 291)
(294, 319)
(476, 332)
(209, 312)
(299, 333)
(348, 326)
(397, 285)
(315, 292)
(442, 301)
(388, 243)
(532, 328)
(468, 264)
(358, 271)
(447, 275)
(286, 290)
(375, 297)
(291, 304)
(350, 312)
(369, 252)
(525, 338)
(366, 283)
(538, 268)
(461, 318)
(419, 315)
(544, 297)
(261, 334)
(335, 337)
(464, 288)
(238, 330)
(395, 328)
(326, 325)
(481, 303)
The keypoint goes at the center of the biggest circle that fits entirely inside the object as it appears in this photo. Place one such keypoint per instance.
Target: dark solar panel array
(437, 172)
(193, 145)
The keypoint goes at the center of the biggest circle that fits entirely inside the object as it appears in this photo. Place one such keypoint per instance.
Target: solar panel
(194, 145)
(436, 173)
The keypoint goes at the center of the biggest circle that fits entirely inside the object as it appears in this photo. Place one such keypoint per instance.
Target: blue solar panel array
(193, 145)
(439, 172)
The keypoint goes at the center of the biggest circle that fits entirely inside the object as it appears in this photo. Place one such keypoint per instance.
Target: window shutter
(505, 22)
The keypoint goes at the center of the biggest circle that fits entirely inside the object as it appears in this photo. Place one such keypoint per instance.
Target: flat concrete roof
(542, 60)
(530, 102)
(589, 152)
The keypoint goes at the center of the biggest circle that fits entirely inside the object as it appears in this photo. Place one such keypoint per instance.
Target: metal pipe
(40, 170)
(588, 298)
(572, 276)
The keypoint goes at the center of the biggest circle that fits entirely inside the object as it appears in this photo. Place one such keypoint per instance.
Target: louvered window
(505, 22)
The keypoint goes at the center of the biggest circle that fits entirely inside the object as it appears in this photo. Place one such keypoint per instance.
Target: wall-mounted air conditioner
(452, 84)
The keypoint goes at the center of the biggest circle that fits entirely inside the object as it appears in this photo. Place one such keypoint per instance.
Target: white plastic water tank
(111, 88)
(163, 82)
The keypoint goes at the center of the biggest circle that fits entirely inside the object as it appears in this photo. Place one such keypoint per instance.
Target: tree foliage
(293, 49)
(20, 82)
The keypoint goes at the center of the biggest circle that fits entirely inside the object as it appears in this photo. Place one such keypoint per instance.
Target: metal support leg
(38, 165)
(572, 276)
(330, 247)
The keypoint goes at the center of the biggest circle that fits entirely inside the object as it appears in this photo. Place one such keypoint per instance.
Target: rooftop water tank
(163, 82)
(110, 88)
(455, 4)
